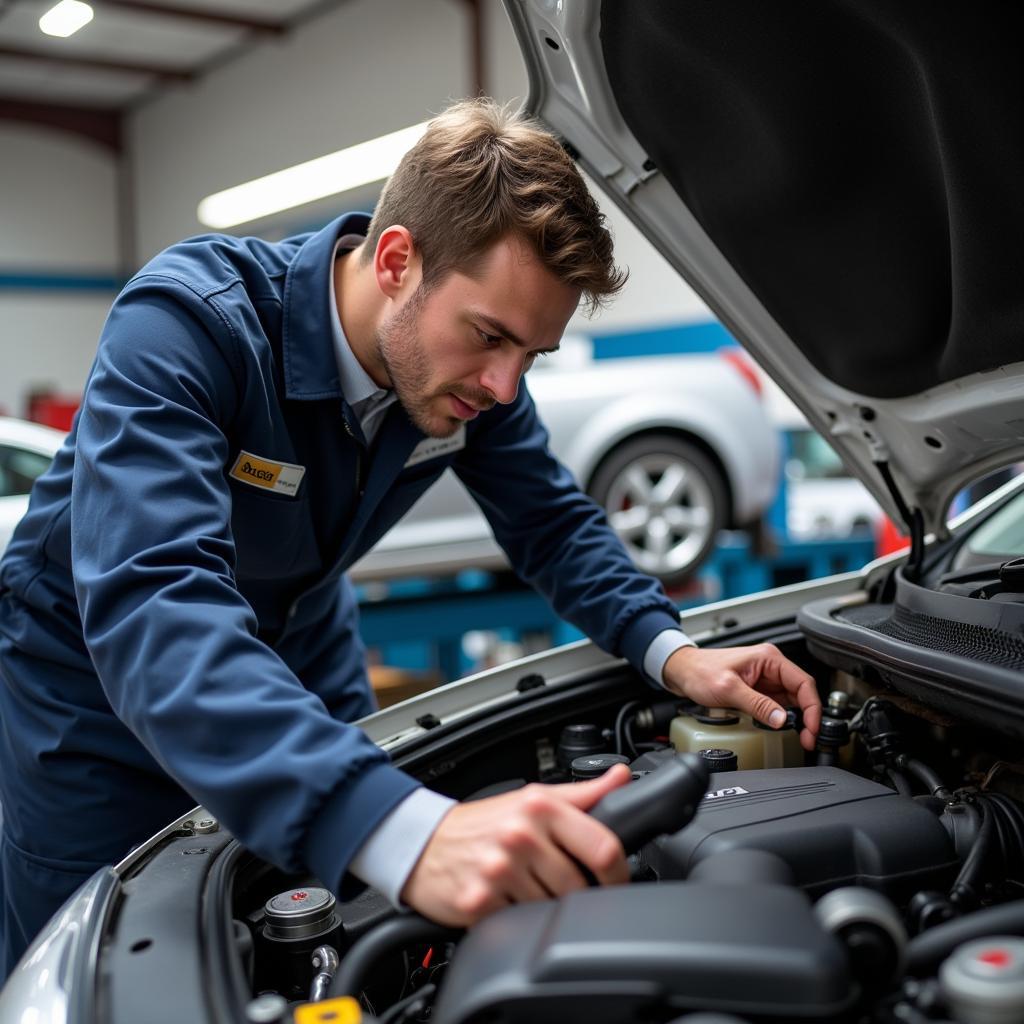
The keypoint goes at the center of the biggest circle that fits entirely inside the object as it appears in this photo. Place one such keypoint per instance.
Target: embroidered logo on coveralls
(280, 477)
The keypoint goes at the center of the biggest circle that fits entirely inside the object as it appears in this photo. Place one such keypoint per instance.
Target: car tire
(671, 533)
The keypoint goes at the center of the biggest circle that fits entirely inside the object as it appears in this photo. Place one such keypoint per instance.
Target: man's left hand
(749, 679)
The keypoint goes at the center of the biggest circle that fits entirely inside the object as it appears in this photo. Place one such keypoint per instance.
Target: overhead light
(325, 176)
(66, 18)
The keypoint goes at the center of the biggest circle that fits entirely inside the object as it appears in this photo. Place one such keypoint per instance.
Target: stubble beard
(398, 343)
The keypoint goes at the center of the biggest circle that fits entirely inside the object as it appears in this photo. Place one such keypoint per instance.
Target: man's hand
(750, 679)
(513, 848)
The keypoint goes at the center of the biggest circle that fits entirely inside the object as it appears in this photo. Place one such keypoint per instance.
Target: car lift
(431, 616)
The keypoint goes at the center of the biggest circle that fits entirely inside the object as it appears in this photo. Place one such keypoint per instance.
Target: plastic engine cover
(830, 827)
(646, 952)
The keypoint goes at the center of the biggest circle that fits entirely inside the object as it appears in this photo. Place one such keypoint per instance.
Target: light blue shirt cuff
(387, 858)
(660, 649)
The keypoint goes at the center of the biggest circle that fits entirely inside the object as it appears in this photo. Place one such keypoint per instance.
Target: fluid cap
(719, 760)
(983, 981)
(300, 913)
(794, 720)
(577, 740)
(591, 766)
(833, 732)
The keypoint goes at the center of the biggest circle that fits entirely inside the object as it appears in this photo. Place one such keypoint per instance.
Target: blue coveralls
(173, 635)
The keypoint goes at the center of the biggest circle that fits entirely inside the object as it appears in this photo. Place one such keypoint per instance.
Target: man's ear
(396, 262)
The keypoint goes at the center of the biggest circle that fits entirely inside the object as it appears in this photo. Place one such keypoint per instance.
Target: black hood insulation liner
(858, 163)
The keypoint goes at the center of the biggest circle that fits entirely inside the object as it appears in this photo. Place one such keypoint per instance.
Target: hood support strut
(912, 518)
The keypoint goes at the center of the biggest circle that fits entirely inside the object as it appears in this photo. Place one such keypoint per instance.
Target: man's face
(463, 345)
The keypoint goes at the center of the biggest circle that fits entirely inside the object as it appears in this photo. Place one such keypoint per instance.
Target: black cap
(794, 720)
(834, 730)
(577, 740)
(719, 760)
(591, 766)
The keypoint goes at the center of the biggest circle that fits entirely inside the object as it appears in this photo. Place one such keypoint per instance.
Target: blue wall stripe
(698, 337)
(49, 281)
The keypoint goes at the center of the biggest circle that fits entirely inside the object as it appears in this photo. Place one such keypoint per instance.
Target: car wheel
(667, 501)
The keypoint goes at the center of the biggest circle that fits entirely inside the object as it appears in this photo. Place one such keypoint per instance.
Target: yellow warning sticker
(280, 477)
(331, 1011)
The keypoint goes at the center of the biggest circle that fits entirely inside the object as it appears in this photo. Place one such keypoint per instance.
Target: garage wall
(346, 77)
(367, 68)
(58, 259)
(342, 78)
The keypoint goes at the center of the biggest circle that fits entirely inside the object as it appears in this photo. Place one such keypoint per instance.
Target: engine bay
(876, 879)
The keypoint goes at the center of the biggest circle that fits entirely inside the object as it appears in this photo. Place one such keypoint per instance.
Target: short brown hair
(482, 172)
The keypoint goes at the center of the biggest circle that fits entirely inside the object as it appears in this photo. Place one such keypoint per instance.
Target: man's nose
(502, 375)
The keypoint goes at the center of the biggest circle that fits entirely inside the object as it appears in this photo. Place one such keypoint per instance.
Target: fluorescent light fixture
(316, 179)
(66, 18)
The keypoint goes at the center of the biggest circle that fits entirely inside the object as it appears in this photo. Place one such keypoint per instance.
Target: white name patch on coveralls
(433, 447)
(280, 477)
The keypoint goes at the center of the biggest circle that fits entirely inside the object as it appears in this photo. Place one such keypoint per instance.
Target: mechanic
(175, 625)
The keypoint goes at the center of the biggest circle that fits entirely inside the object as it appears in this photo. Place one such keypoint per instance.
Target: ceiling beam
(101, 126)
(95, 63)
(477, 61)
(194, 14)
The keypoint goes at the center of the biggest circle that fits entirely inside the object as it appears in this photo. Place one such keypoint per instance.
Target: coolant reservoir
(753, 746)
(781, 746)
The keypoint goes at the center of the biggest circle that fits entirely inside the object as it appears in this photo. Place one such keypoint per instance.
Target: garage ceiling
(132, 49)
(129, 52)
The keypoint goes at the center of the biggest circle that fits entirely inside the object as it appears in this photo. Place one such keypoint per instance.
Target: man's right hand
(516, 847)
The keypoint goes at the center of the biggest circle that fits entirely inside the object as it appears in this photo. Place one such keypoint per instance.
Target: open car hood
(840, 180)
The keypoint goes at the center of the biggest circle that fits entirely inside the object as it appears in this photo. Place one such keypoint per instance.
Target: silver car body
(590, 407)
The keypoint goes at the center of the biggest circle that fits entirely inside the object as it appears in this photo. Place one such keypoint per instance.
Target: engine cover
(648, 952)
(831, 828)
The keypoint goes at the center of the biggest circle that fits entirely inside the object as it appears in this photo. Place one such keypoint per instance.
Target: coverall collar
(310, 367)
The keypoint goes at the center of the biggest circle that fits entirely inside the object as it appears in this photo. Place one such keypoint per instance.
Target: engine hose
(925, 775)
(629, 708)
(927, 950)
(395, 934)
(1001, 842)
(406, 1007)
(1009, 822)
(965, 889)
(1015, 820)
(899, 781)
(627, 735)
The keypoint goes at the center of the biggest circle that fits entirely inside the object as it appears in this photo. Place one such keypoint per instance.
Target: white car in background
(675, 448)
(26, 451)
(824, 500)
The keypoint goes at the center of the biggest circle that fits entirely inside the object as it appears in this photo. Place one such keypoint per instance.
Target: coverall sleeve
(556, 538)
(172, 639)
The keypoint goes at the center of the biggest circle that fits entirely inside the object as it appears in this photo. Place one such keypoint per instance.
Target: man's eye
(534, 356)
(490, 340)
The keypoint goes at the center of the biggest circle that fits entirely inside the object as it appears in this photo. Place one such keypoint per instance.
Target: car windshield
(998, 538)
